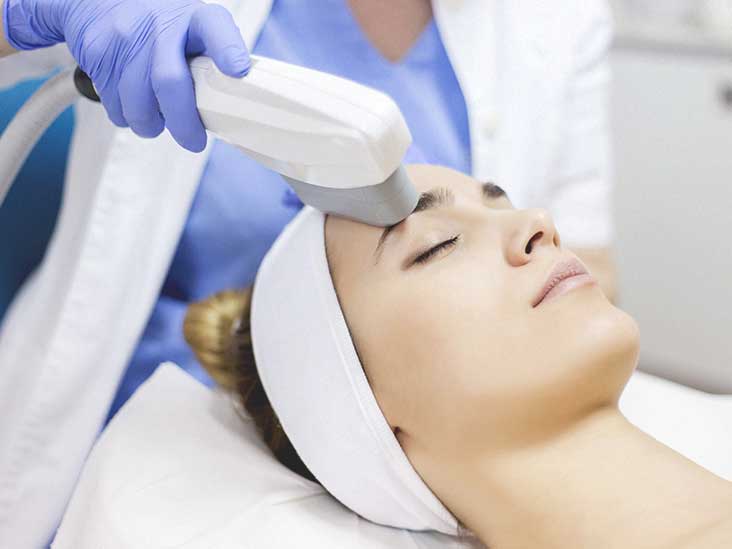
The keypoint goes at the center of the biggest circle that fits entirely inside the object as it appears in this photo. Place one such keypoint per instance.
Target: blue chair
(28, 215)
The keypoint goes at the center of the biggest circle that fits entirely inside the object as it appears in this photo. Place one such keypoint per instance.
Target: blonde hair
(217, 329)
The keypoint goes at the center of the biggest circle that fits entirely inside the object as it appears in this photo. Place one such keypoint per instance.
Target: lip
(563, 270)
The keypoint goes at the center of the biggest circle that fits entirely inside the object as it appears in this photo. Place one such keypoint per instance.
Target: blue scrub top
(241, 207)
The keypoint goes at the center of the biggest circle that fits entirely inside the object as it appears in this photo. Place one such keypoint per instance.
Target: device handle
(308, 125)
(84, 85)
(305, 124)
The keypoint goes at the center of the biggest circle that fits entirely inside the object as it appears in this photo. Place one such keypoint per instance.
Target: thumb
(212, 32)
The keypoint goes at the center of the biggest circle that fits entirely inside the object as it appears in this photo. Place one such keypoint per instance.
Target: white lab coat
(534, 76)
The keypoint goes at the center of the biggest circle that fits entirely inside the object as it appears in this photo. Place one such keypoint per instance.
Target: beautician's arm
(5, 48)
(601, 263)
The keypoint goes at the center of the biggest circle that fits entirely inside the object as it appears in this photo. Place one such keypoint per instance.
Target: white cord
(29, 123)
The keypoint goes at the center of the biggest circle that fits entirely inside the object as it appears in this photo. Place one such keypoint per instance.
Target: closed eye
(424, 257)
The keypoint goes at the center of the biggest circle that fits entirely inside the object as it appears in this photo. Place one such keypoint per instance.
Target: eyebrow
(491, 190)
(435, 198)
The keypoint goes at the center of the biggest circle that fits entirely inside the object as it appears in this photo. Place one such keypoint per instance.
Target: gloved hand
(135, 52)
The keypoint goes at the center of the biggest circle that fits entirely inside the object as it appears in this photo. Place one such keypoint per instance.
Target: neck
(392, 27)
(599, 483)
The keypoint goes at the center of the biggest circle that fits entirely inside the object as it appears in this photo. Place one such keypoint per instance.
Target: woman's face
(442, 314)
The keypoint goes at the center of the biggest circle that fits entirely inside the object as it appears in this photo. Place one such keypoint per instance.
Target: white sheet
(178, 468)
(692, 422)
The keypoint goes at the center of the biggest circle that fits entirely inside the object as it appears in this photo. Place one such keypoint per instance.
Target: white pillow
(177, 467)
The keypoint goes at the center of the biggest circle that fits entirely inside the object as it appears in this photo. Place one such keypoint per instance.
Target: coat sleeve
(581, 191)
(25, 65)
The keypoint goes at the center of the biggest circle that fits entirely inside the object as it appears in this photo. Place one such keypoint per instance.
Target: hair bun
(217, 329)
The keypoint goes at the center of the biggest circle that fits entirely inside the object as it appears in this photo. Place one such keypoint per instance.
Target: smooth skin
(508, 411)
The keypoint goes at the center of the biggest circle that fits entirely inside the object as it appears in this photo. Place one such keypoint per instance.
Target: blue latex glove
(135, 53)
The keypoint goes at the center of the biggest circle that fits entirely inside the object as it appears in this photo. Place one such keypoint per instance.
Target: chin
(609, 339)
(597, 345)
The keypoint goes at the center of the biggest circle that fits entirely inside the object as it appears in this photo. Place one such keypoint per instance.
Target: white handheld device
(339, 144)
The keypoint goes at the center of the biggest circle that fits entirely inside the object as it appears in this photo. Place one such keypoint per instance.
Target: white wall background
(673, 203)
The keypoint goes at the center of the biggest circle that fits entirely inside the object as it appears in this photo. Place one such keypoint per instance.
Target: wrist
(31, 24)
(5, 46)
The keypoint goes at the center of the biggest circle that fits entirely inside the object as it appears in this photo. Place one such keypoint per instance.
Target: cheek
(457, 355)
(444, 340)
(510, 376)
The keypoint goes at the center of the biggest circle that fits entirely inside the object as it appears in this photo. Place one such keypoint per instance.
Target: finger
(173, 87)
(139, 105)
(109, 96)
(213, 32)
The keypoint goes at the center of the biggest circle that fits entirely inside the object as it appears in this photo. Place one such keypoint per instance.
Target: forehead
(352, 243)
(424, 177)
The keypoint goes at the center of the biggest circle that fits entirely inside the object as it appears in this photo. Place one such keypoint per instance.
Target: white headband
(314, 380)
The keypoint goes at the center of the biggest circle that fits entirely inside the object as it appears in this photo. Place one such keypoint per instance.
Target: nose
(533, 229)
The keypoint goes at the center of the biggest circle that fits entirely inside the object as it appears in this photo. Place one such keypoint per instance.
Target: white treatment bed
(177, 467)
